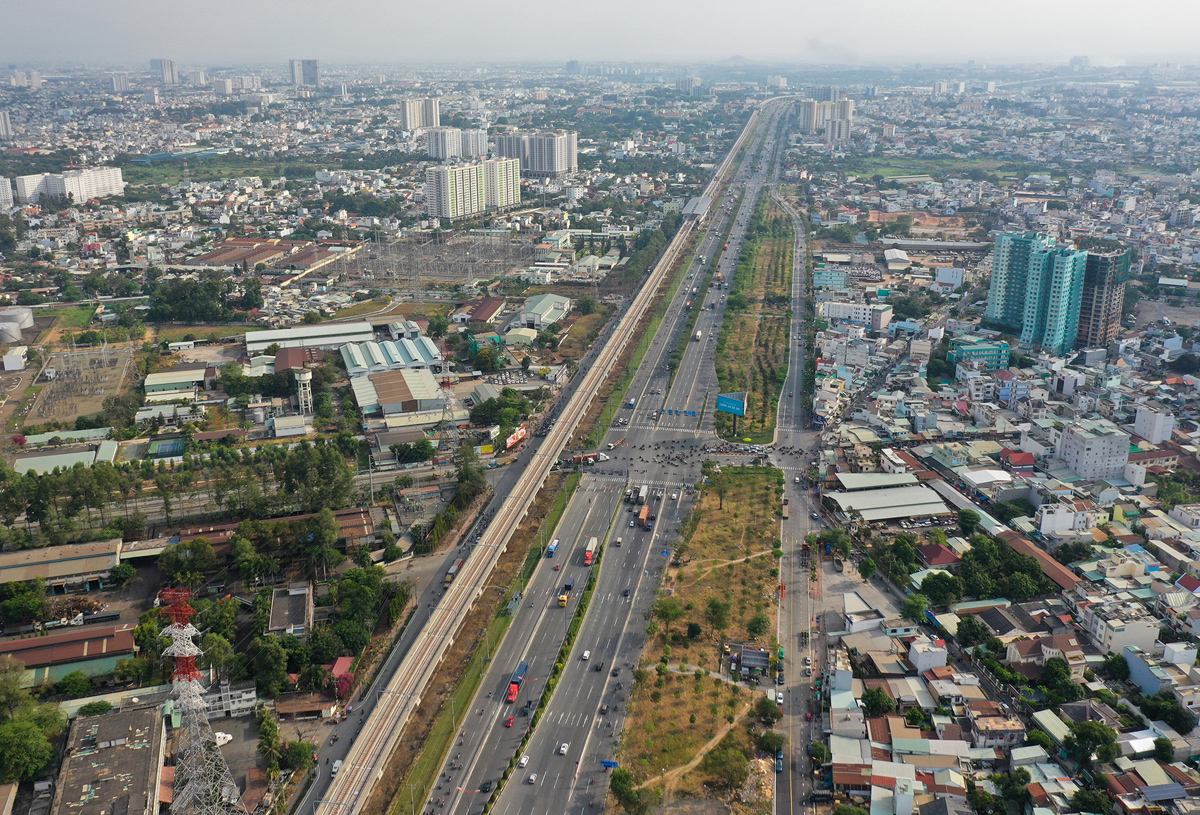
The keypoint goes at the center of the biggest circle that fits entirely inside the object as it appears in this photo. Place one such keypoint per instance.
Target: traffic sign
(610, 764)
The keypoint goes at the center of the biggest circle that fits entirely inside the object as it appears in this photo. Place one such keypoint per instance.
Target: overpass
(364, 765)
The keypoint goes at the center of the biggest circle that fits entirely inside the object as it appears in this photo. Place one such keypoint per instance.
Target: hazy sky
(411, 31)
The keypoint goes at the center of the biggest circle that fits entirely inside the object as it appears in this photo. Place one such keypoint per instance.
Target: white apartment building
(415, 113)
(6, 193)
(545, 154)
(1094, 449)
(1112, 625)
(464, 190)
(852, 312)
(445, 142)
(501, 182)
(6, 128)
(474, 143)
(80, 185)
(1153, 423)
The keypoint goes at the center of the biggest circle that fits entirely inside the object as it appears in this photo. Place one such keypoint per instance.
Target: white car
(524, 760)
(586, 656)
(532, 779)
(562, 751)
(779, 697)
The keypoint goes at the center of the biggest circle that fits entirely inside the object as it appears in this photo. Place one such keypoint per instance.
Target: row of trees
(63, 505)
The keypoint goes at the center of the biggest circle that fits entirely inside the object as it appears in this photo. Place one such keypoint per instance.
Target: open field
(752, 351)
(684, 704)
(179, 333)
(584, 332)
(400, 310)
(216, 168)
(889, 166)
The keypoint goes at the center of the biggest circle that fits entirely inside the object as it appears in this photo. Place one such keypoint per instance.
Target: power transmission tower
(203, 783)
(448, 436)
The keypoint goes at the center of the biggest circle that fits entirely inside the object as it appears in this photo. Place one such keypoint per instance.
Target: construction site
(419, 262)
(76, 383)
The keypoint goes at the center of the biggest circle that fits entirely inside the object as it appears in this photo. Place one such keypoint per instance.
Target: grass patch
(584, 332)
(752, 350)
(68, 316)
(179, 333)
(726, 556)
(365, 307)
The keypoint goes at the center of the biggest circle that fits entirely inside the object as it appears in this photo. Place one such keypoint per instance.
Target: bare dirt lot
(1151, 311)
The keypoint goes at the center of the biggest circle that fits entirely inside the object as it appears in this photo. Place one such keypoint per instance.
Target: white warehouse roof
(331, 335)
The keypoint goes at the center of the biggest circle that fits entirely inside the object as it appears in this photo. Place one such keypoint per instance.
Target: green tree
(269, 663)
(586, 304)
(624, 789)
(766, 709)
(122, 573)
(819, 752)
(867, 568)
(1042, 739)
(98, 708)
(847, 809)
(972, 631)
(667, 610)
(1164, 750)
(1091, 739)
(24, 750)
(1116, 667)
(74, 685)
(914, 607)
(438, 326)
(195, 556)
(942, 589)
(877, 702)
(770, 741)
(758, 625)
(298, 755)
(968, 521)
(717, 613)
(728, 767)
(1094, 801)
(218, 653)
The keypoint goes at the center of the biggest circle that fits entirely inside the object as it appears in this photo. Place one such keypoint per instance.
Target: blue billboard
(734, 403)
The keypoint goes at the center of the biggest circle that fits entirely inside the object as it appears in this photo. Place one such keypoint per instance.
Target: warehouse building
(70, 566)
(179, 383)
(887, 504)
(407, 390)
(374, 357)
(93, 649)
(113, 765)
(329, 335)
(544, 310)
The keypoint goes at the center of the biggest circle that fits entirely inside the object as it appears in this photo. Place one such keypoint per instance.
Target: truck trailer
(514, 682)
(698, 335)
(565, 594)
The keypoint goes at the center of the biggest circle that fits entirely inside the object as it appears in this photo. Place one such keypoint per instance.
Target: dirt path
(670, 778)
(716, 564)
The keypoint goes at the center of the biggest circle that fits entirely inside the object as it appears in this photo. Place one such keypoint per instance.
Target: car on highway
(790, 394)
(562, 751)
(603, 709)
(797, 481)
(616, 672)
(510, 721)
(808, 716)
(586, 656)
(814, 516)
(558, 567)
(523, 762)
(779, 697)
(632, 523)
(486, 786)
(532, 779)
(625, 593)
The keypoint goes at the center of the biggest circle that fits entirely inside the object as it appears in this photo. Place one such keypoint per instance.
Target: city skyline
(762, 31)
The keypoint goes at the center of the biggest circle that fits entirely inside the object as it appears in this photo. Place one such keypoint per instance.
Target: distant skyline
(856, 32)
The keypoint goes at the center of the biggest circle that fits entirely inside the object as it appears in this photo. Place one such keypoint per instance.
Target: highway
(386, 719)
(613, 629)
(794, 450)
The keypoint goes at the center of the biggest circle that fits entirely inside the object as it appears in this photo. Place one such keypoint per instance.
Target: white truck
(698, 335)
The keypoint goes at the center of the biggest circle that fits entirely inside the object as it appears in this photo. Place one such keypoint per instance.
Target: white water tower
(304, 389)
